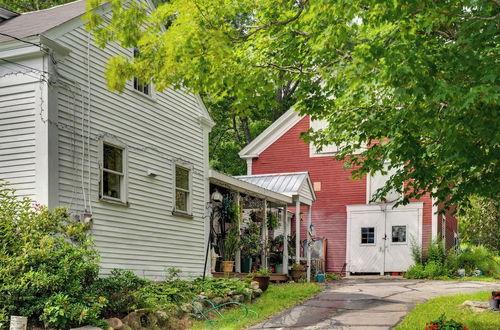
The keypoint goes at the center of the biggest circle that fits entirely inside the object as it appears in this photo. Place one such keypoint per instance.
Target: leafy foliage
(231, 243)
(47, 264)
(443, 323)
(120, 290)
(273, 221)
(437, 263)
(251, 241)
(22, 6)
(480, 223)
(418, 81)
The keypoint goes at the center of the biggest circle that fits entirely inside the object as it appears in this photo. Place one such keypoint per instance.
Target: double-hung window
(113, 173)
(140, 85)
(182, 190)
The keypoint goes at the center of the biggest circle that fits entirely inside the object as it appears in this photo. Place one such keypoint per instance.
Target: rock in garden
(238, 298)
(218, 300)
(187, 308)
(254, 285)
(197, 306)
(476, 306)
(162, 316)
(115, 323)
(257, 292)
(227, 299)
(231, 293)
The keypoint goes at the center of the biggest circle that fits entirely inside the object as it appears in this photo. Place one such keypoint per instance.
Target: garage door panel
(394, 232)
(366, 256)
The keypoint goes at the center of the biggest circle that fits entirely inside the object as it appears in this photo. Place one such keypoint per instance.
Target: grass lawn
(450, 305)
(273, 301)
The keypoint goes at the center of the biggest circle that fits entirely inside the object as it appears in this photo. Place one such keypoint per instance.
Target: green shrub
(121, 292)
(416, 271)
(479, 257)
(434, 269)
(435, 253)
(46, 258)
(63, 311)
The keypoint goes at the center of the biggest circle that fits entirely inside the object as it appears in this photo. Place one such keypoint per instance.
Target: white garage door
(379, 238)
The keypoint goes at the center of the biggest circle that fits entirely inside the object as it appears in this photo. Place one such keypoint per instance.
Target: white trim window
(140, 85)
(367, 235)
(113, 185)
(182, 193)
(398, 234)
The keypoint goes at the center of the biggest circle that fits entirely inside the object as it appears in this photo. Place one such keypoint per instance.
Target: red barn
(363, 237)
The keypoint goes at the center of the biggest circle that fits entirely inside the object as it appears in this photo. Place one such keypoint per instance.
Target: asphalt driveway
(375, 303)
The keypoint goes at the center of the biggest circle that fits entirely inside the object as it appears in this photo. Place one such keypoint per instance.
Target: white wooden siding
(18, 108)
(143, 236)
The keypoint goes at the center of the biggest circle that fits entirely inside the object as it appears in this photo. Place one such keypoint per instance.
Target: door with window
(366, 243)
(379, 238)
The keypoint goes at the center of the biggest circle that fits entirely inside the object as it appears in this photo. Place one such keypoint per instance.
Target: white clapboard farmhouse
(135, 163)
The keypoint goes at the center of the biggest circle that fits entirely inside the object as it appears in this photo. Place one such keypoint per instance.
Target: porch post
(285, 240)
(264, 237)
(309, 221)
(237, 263)
(297, 231)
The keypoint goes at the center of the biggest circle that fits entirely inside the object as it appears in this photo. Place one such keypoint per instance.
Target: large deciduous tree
(417, 81)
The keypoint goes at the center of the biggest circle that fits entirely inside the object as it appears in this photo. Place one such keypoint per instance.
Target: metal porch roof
(290, 184)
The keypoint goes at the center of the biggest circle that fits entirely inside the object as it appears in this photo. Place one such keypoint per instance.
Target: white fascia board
(377, 207)
(55, 46)
(434, 219)
(311, 187)
(271, 134)
(205, 117)
(19, 49)
(230, 182)
(73, 23)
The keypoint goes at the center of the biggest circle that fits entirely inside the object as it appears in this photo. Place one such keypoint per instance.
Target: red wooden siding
(290, 154)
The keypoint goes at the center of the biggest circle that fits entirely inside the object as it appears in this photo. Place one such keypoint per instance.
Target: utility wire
(15, 38)
(22, 65)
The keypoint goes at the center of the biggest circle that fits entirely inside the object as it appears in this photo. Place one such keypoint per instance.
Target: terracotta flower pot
(263, 281)
(227, 266)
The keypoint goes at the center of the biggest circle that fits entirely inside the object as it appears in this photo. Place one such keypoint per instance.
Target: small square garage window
(398, 234)
(367, 235)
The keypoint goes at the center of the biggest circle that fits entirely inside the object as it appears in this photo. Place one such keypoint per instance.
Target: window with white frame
(140, 85)
(182, 189)
(367, 235)
(378, 181)
(398, 234)
(113, 173)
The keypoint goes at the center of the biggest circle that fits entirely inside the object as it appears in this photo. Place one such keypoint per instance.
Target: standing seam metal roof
(284, 183)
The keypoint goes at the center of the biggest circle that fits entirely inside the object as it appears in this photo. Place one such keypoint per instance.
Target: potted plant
(231, 245)
(272, 221)
(251, 245)
(298, 272)
(262, 276)
(276, 256)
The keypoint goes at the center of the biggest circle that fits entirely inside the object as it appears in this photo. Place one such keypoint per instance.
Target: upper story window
(140, 85)
(378, 181)
(113, 173)
(182, 190)
(328, 150)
